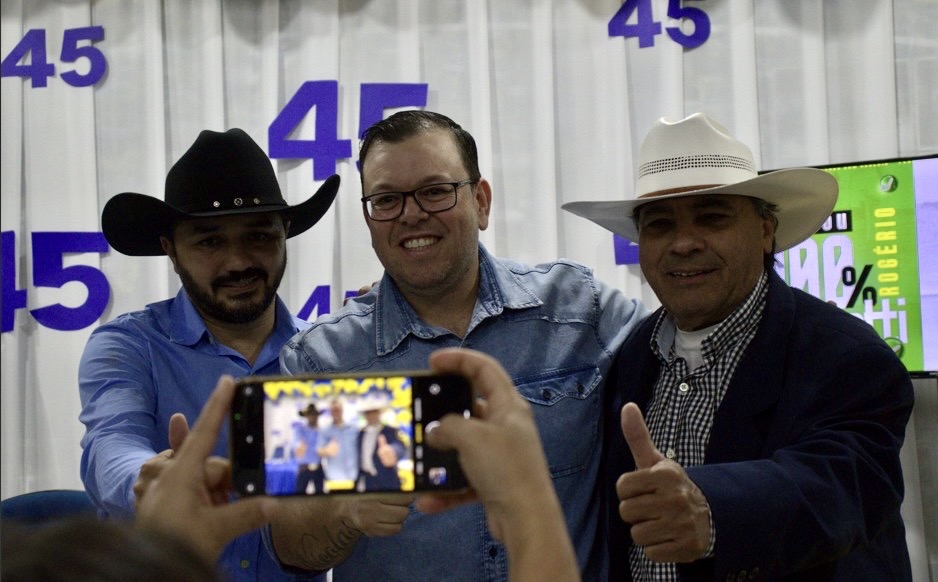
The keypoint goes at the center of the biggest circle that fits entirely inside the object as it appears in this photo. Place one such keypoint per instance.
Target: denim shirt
(135, 372)
(555, 329)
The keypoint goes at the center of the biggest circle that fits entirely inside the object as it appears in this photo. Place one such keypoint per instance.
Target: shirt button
(684, 387)
(670, 453)
(245, 564)
(493, 551)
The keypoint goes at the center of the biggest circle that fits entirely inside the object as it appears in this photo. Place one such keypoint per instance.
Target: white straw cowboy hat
(373, 401)
(698, 153)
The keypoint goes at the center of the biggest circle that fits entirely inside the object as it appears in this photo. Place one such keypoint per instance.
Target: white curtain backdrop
(557, 105)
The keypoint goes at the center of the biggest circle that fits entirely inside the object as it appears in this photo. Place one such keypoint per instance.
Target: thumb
(382, 441)
(637, 437)
(178, 430)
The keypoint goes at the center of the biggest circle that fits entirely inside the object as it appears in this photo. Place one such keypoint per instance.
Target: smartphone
(344, 433)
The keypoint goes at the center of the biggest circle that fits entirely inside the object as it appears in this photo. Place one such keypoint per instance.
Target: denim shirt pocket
(567, 408)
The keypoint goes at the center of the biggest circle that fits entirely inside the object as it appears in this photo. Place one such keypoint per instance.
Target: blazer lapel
(742, 421)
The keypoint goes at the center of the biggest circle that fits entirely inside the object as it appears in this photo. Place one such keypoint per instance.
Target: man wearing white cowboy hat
(379, 448)
(224, 225)
(774, 420)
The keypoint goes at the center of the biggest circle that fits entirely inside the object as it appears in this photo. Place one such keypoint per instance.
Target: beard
(235, 311)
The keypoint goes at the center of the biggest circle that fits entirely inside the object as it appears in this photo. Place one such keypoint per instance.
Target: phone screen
(344, 433)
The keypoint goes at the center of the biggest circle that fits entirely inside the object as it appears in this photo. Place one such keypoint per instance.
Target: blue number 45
(33, 45)
(646, 28)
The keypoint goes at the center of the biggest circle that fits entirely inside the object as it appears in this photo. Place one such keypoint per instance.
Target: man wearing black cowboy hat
(774, 420)
(224, 225)
(304, 449)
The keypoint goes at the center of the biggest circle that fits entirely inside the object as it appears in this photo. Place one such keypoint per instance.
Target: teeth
(690, 274)
(417, 243)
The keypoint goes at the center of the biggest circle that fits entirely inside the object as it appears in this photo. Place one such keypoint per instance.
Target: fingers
(395, 499)
(382, 441)
(380, 515)
(218, 479)
(178, 430)
(449, 434)
(201, 439)
(433, 503)
(636, 435)
(487, 376)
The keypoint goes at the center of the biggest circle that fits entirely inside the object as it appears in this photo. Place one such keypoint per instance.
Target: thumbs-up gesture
(330, 450)
(299, 451)
(668, 512)
(386, 453)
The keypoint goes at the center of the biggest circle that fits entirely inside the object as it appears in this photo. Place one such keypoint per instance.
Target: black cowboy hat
(310, 410)
(221, 174)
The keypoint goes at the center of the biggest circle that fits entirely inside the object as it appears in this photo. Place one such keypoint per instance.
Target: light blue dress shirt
(135, 372)
(311, 437)
(344, 465)
(555, 329)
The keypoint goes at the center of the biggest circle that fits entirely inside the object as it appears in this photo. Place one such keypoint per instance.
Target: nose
(411, 211)
(686, 239)
(238, 257)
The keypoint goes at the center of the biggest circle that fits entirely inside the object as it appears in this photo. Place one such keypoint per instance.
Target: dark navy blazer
(802, 469)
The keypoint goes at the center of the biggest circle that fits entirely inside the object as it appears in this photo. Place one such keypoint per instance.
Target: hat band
(669, 191)
(695, 162)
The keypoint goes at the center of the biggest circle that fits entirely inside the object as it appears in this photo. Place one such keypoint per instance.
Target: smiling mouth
(419, 243)
(689, 274)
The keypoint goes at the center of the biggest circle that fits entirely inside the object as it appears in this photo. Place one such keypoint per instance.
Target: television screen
(877, 255)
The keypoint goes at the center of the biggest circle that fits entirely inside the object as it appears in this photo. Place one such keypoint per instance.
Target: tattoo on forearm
(325, 549)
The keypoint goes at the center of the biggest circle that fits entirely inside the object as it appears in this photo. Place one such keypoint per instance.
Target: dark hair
(87, 548)
(406, 124)
(770, 211)
(763, 209)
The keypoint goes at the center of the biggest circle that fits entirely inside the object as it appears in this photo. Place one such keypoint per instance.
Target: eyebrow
(382, 188)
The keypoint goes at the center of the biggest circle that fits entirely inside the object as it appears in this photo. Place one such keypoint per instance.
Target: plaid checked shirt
(685, 401)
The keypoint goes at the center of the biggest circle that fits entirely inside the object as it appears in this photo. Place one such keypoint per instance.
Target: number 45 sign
(646, 28)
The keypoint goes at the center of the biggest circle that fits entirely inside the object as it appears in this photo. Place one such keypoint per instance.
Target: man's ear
(483, 196)
(170, 250)
(768, 235)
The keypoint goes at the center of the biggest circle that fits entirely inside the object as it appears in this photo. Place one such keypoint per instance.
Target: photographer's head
(88, 548)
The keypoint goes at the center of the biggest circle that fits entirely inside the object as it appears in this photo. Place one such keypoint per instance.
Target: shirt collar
(499, 289)
(186, 326)
(725, 334)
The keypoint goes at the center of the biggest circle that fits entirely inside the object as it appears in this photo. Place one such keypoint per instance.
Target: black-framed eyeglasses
(431, 198)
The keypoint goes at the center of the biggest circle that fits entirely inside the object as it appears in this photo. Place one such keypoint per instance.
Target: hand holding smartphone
(290, 435)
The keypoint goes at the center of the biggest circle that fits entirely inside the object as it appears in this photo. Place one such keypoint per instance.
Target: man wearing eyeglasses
(554, 327)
